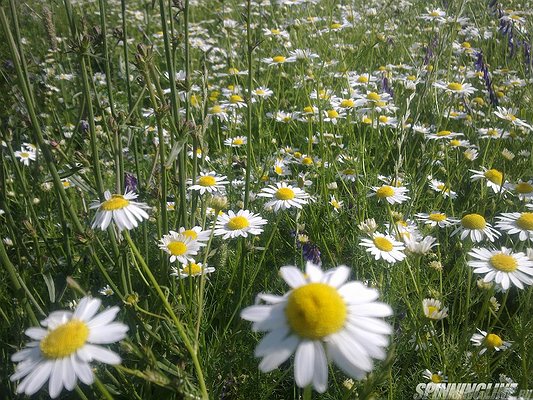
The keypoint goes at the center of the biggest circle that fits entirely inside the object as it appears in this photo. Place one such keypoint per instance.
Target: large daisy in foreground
(61, 353)
(502, 266)
(322, 317)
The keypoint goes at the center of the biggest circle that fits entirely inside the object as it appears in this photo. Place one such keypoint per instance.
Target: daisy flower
(321, 317)
(502, 266)
(243, 223)
(195, 233)
(60, 352)
(442, 188)
(437, 377)
(455, 87)
(444, 134)
(121, 209)
(489, 341)
(191, 268)
(262, 92)
(419, 245)
(509, 114)
(392, 194)
(493, 176)
(179, 246)
(432, 15)
(475, 226)
(524, 190)
(385, 247)
(284, 196)
(209, 182)
(25, 156)
(336, 204)
(219, 111)
(433, 309)
(278, 60)
(236, 141)
(517, 223)
(435, 218)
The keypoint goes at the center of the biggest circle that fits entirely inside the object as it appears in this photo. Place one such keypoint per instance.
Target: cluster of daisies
(503, 266)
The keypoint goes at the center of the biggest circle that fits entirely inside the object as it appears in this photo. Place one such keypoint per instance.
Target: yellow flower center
(278, 59)
(503, 262)
(332, 114)
(347, 103)
(523, 187)
(24, 154)
(275, 31)
(455, 143)
(383, 244)
(431, 310)
(466, 45)
(238, 222)
(434, 14)
(444, 133)
(285, 193)
(349, 171)
(437, 217)
(233, 71)
(216, 109)
(494, 176)
(190, 233)
(207, 180)
(260, 92)
(373, 96)
(335, 25)
(116, 202)
(307, 161)
(309, 110)
(385, 191)
(235, 98)
(436, 378)
(238, 141)
(192, 269)
(411, 78)
(473, 221)
(455, 86)
(362, 79)
(315, 311)
(177, 248)
(383, 119)
(492, 340)
(525, 221)
(65, 340)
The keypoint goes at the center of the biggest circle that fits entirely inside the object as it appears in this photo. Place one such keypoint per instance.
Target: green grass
(92, 129)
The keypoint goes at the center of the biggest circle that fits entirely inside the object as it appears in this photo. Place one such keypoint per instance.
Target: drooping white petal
(304, 363)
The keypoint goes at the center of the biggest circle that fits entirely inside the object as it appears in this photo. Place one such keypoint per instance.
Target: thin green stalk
(126, 54)
(161, 146)
(202, 285)
(103, 390)
(13, 277)
(92, 128)
(308, 393)
(107, 66)
(249, 104)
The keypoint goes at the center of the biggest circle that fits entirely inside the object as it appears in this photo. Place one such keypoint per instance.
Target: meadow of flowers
(273, 199)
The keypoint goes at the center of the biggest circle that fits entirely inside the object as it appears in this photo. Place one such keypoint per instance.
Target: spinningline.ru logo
(477, 391)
